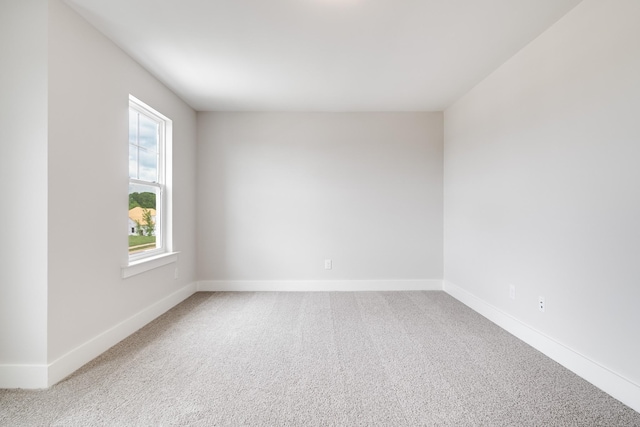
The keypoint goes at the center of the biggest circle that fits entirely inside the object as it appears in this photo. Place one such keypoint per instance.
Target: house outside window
(148, 227)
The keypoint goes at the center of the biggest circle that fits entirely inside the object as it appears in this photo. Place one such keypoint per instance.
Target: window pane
(133, 126)
(133, 143)
(148, 133)
(147, 165)
(144, 224)
(143, 147)
(133, 161)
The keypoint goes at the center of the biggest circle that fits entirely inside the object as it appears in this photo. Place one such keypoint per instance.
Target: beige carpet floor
(319, 359)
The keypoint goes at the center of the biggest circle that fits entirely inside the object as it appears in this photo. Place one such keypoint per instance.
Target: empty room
(320, 212)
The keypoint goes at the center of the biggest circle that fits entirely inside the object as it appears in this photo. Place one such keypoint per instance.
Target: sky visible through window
(143, 147)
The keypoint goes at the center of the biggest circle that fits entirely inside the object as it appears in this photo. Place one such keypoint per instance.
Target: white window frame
(162, 254)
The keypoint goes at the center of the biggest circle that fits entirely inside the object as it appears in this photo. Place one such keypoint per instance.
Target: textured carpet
(319, 359)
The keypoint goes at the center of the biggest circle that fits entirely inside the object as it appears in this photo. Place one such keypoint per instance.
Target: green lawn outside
(141, 240)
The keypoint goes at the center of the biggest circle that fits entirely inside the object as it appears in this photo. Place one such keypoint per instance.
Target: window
(148, 228)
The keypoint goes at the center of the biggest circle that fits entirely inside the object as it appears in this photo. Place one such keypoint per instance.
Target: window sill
(147, 264)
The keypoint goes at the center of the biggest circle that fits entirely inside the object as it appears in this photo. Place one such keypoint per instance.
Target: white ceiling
(321, 55)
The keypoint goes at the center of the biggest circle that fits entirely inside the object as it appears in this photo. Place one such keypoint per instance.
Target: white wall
(280, 192)
(23, 186)
(542, 185)
(90, 80)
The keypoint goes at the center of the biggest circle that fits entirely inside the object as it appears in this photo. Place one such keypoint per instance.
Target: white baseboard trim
(318, 285)
(605, 379)
(79, 356)
(23, 376)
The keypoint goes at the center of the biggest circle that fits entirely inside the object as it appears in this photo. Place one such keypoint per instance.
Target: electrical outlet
(541, 304)
(512, 291)
(327, 264)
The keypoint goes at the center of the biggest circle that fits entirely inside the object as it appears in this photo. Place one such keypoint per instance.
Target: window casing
(148, 228)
